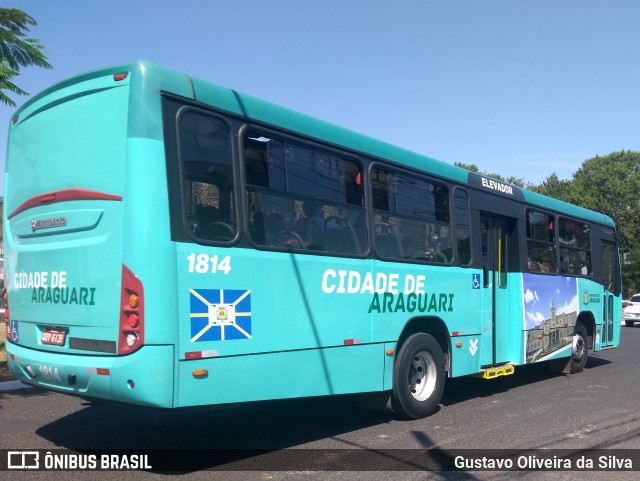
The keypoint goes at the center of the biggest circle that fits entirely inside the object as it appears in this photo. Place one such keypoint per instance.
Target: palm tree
(17, 50)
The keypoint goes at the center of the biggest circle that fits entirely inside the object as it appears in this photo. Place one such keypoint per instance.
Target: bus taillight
(8, 324)
(131, 335)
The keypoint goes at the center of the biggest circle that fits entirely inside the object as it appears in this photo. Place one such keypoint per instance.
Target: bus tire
(579, 349)
(418, 377)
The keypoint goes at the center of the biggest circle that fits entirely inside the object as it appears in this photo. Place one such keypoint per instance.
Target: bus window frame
(454, 222)
(234, 210)
(392, 167)
(554, 216)
(312, 144)
(591, 252)
(173, 108)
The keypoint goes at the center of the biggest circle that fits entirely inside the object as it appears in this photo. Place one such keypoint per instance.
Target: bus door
(609, 268)
(497, 241)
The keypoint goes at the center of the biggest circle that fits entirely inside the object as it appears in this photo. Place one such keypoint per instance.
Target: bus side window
(574, 240)
(303, 198)
(411, 218)
(541, 247)
(463, 230)
(204, 149)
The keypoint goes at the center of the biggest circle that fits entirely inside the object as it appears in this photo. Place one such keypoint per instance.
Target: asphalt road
(532, 410)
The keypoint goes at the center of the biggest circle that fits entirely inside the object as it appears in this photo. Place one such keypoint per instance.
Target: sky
(522, 88)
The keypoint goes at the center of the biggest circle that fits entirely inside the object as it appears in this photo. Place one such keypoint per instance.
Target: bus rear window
(77, 138)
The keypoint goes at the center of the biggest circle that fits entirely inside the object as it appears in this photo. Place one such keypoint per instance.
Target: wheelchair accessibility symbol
(14, 330)
(476, 281)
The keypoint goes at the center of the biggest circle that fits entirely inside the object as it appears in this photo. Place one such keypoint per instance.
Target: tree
(552, 186)
(17, 50)
(611, 185)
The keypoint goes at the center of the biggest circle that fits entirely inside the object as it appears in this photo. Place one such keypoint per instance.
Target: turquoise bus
(173, 243)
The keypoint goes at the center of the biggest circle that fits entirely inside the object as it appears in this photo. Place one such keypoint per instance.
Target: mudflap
(562, 365)
(375, 401)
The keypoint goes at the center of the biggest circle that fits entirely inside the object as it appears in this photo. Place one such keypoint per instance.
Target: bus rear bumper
(142, 378)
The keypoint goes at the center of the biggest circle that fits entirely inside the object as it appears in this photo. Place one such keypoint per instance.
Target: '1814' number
(204, 263)
(49, 373)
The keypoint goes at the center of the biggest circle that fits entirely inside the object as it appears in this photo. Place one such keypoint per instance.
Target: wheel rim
(578, 349)
(422, 376)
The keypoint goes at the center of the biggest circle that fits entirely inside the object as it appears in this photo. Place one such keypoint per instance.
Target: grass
(5, 374)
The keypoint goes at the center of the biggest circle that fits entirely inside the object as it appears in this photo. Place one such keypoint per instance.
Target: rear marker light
(15, 119)
(120, 76)
(132, 313)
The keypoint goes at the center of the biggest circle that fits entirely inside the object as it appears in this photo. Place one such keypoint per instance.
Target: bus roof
(150, 78)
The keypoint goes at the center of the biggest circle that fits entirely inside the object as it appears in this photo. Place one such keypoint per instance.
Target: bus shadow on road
(247, 432)
(260, 425)
(466, 388)
(250, 437)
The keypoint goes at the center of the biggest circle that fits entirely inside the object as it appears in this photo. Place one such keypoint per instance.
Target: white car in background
(632, 310)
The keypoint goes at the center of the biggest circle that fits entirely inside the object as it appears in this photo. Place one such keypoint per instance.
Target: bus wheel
(418, 377)
(579, 349)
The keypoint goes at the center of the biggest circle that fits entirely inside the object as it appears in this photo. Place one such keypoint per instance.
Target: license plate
(53, 336)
